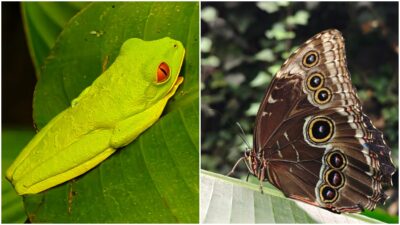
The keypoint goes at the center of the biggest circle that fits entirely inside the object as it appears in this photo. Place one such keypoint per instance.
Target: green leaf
(382, 215)
(265, 55)
(43, 23)
(209, 14)
(300, 18)
(212, 61)
(279, 32)
(274, 68)
(253, 109)
(206, 44)
(228, 200)
(155, 178)
(262, 79)
(13, 140)
(269, 7)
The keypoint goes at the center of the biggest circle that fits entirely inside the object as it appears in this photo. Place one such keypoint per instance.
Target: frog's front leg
(128, 129)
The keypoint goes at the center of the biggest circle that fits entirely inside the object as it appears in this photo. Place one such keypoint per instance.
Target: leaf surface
(155, 178)
(43, 23)
(228, 200)
(13, 140)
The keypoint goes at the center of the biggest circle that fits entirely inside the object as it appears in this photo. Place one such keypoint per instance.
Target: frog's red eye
(162, 72)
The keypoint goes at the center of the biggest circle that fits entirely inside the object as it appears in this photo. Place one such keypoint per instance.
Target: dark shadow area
(18, 74)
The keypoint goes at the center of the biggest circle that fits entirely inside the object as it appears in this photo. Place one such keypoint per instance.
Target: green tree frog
(121, 103)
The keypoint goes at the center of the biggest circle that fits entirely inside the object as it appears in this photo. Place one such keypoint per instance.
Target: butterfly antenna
(243, 135)
(234, 167)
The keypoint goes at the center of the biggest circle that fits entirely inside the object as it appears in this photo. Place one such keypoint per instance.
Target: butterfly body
(311, 138)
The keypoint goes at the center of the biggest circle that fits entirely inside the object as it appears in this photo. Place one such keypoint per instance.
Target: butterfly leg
(262, 174)
(248, 175)
(234, 167)
(261, 187)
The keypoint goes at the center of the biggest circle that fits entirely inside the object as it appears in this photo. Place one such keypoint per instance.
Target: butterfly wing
(313, 140)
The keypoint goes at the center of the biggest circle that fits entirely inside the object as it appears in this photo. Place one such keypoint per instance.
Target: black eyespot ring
(336, 159)
(310, 59)
(315, 81)
(328, 194)
(334, 178)
(322, 96)
(320, 130)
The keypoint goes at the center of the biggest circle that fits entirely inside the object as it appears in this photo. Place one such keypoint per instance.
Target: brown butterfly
(312, 140)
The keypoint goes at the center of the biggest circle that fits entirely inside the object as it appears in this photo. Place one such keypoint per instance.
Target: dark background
(243, 45)
(18, 74)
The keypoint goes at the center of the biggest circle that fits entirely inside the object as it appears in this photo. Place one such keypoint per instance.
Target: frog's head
(161, 61)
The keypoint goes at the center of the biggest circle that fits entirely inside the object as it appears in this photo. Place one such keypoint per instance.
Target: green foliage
(13, 140)
(155, 178)
(43, 23)
(252, 40)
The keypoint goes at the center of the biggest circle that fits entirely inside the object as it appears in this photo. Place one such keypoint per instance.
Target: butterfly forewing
(311, 139)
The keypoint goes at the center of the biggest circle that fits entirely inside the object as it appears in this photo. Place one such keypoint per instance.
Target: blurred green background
(244, 44)
(18, 83)
(17, 120)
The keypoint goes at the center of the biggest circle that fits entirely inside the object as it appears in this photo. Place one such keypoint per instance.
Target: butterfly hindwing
(311, 138)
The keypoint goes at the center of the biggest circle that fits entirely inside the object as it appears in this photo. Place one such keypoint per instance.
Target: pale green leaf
(227, 200)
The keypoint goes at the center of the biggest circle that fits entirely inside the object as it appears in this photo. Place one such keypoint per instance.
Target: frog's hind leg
(76, 159)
